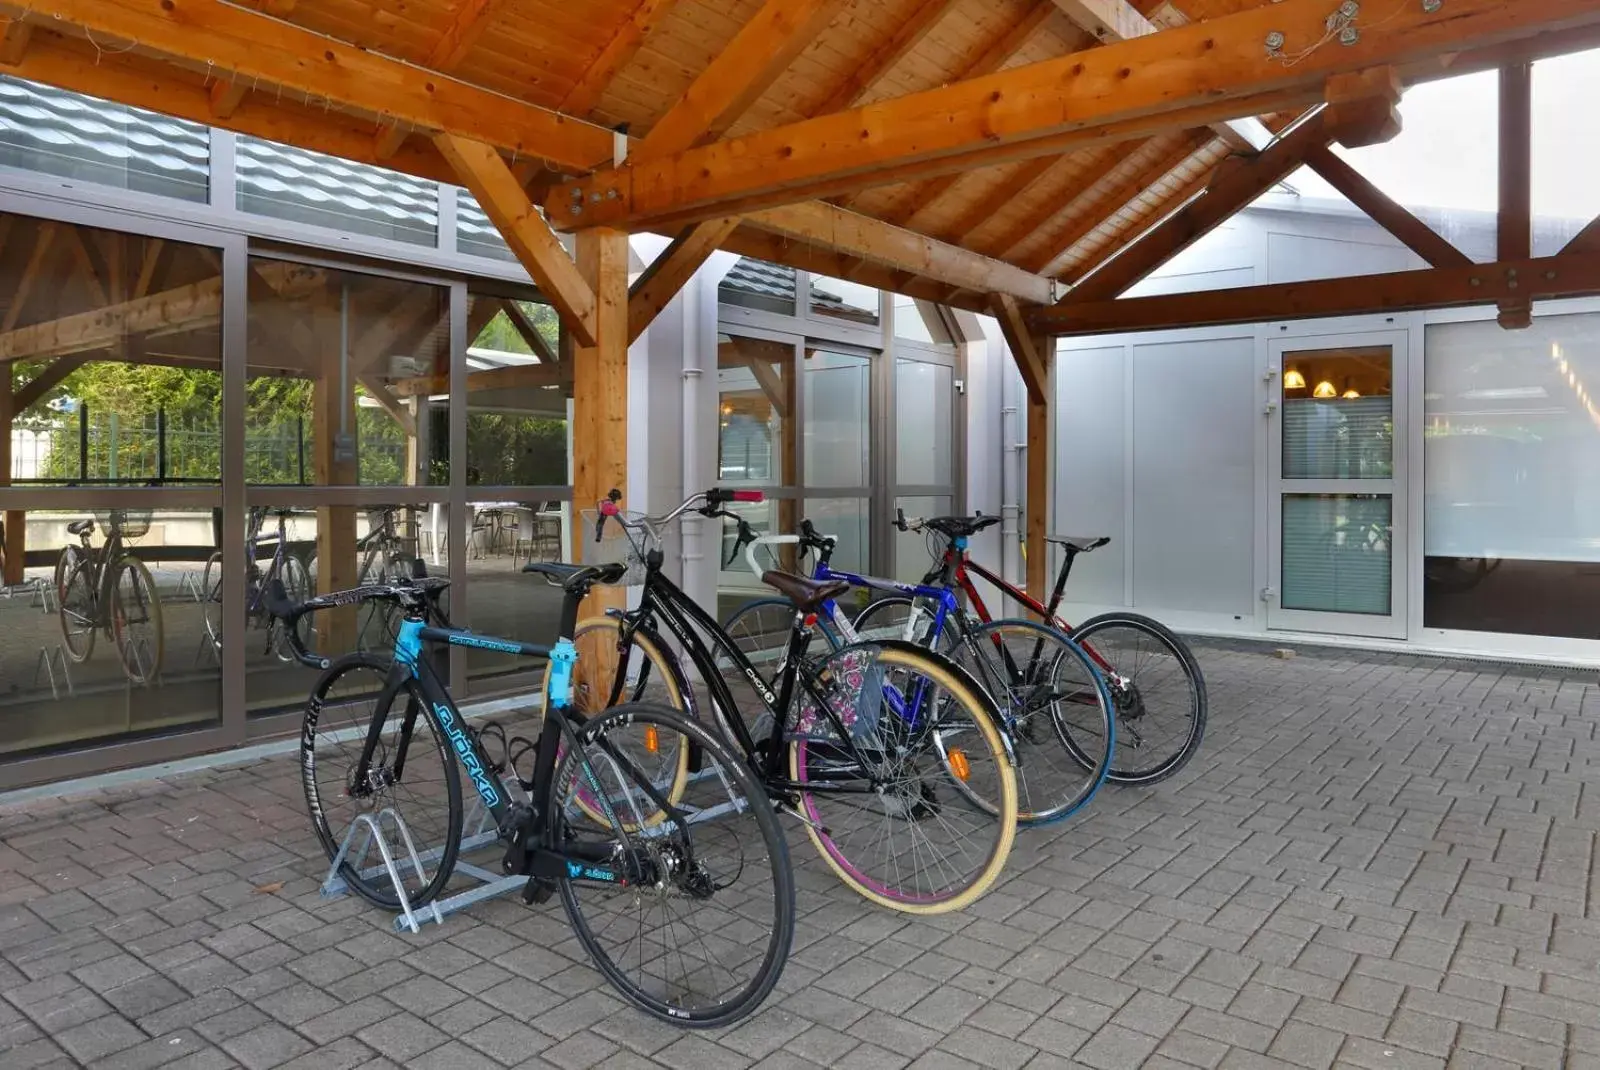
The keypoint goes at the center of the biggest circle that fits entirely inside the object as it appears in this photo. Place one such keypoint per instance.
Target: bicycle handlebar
(413, 593)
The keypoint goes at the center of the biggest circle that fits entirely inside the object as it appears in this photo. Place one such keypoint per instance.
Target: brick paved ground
(1375, 864)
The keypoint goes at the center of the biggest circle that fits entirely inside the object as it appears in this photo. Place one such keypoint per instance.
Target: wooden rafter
(1516, 187)
(907, 36)
(668, 272)
(749, 64)
(1048, 260)
(1385, 210)
(1547, 278)
(623, 46)
(379, 391)
(1022, 178)
(49, 378)
(1162, 78)
(226, 96)
(14, 45)
(44, 238)
(1231, 190)
(529, 331)
(466, 25)
(1586, 240)
(239, 44)
(486, 174)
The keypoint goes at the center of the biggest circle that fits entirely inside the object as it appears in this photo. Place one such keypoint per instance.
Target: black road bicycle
(890, 755)
(685, 904)
(110, 590)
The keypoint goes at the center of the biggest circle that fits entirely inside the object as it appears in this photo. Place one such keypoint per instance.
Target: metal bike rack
(52, 658)
(206, 652)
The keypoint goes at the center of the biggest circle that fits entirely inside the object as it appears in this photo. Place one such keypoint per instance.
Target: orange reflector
(652, 740)
(959, 764)
(810, 619)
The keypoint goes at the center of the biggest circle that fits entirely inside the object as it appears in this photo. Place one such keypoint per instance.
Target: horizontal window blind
(1338, 438)
(1337, 553)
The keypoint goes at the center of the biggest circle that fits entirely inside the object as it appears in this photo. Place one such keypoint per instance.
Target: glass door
(1337, 505)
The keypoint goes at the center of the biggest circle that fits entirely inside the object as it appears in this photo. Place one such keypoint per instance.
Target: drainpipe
(689, 526)
(1013, 444)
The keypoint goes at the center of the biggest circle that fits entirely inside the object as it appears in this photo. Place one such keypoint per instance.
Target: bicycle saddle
(806, 594)
(1079, 543)
(961, 526)
(576, 578)
(80, 527)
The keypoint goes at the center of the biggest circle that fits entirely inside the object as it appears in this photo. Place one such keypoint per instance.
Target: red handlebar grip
(749, 496)
(609, 508)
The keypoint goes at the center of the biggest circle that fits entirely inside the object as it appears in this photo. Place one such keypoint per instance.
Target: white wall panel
(1195, 416)
(1091, 467)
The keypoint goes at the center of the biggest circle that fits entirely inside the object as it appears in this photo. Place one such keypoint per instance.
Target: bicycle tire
(760, 629)
(1122, 771)
(296, 580)
(345, 742)
(592, 689)
(137, 669)
(77, 602)
(887, 615)
(1000, 813)
(1030, 669)
(211, 598)
(733, 928)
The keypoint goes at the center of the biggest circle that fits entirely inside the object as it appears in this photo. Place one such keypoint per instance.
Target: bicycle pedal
(538, 890)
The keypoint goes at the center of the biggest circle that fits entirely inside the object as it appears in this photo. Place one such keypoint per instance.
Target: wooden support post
(333, 413)
(11, 554)
(1516, 196)
(600, 389)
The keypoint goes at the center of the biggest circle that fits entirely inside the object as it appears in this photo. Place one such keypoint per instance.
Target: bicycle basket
(853, 689)
(132, 523)
(623, 539)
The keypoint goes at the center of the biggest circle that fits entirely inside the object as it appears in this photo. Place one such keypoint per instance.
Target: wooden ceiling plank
(865, 78)
(1385, 210)
(1146, 78)
(1546, 278)
(1515, 238)
(1231, 190)
(903, 250)
(1048, 261)
(1019, 182)
(745, 68)
(668, 272)
(582, 98)
(482, 170)
(471, 19)
(241, 45)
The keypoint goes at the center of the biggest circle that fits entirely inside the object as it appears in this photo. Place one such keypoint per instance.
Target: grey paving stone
(266, 1046)
(92, 1040)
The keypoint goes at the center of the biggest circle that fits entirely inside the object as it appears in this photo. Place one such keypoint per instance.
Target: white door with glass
(1337, 485)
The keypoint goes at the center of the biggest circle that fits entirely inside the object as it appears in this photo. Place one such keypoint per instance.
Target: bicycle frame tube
(105, 577)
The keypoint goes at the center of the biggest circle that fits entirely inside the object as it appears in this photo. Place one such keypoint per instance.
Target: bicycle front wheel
(1056, 708)
(136, 621)
(77, 605)
(906, 784)
(701, 931)
(1156, 689)
(760, 630)
(211, 598)
(297, 584)
(412, 773)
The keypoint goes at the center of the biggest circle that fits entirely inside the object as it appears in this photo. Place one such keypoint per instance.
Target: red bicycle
(1155, 682)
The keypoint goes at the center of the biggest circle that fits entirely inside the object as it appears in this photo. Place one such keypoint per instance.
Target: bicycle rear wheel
(907, 789)
(760, 630)
(702, 933)
(136, 621)
(211, 598)
(1056, 707)
(77, 605)
(297, 584)
(1157, 690)
(412, 772)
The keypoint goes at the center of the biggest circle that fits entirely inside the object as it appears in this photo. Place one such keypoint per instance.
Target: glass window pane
(78, 649)
(1338, 418)
(755, 395)
(74, 136)
(501, 600)
(1337, 553)
(924, 420)
(850, 302)
(838, 395)
(308, 187)
(1511, 441)
(918, 321)
(518, 394)
(914, 551)
(759, 285)
(475, 234)
(348, 378)
(847, 520)
(114, 354)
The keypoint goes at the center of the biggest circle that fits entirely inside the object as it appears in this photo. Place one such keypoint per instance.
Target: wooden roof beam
(582, 98)
(1546, 278)
(1385, 210)
(243, 46)
(1232, 189)
(761, 51)
(185, 306)
(510, 377)
(1033, 364)
(1156, 79)
(668, 272)
(19, 32)
(1515, 239)
(483, 171)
